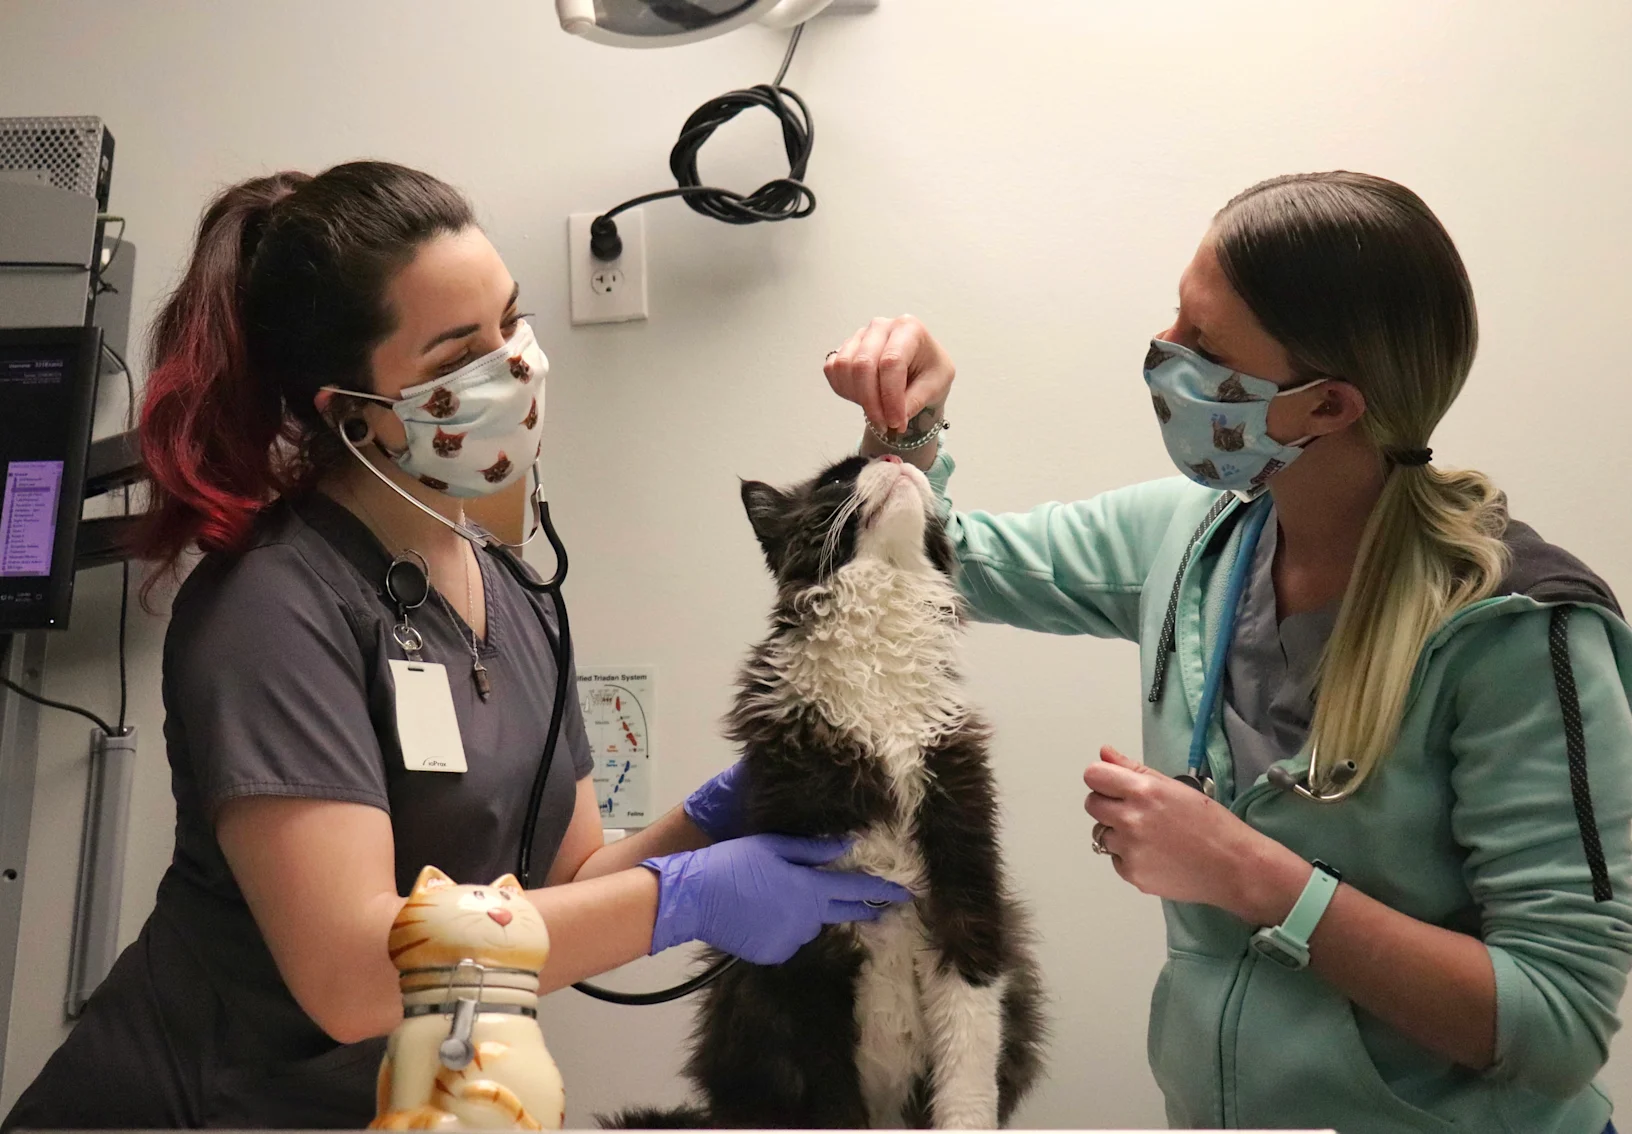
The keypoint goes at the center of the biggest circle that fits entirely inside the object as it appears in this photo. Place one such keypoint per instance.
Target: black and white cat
(851, 720)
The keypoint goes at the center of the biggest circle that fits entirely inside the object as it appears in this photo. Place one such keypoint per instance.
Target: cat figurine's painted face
(857, 508)
(443, 923)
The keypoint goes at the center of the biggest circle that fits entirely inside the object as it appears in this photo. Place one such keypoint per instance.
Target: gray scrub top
(1269, 677)
(277, 683)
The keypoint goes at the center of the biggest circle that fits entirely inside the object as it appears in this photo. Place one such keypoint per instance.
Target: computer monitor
(47, 398)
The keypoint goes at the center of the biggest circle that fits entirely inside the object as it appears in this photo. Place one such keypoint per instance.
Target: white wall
(1029, 184)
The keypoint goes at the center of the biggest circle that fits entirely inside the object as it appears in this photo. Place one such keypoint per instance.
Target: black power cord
(99, 283)
(782, 198)
(124, 563)
(105, 726)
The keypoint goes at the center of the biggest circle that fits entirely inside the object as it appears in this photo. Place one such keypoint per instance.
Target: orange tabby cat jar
(469, 1054)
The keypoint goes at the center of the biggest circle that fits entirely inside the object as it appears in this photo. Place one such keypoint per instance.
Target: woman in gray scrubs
(362, 300)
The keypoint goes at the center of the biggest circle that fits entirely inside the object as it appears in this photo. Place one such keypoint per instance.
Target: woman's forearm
(596, 925)
(1435, 986)
(669, 835)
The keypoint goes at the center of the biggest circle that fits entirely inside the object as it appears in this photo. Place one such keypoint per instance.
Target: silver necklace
(478, 671)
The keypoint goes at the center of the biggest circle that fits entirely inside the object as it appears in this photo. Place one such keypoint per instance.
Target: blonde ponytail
(1358, 280)
(1431, 547)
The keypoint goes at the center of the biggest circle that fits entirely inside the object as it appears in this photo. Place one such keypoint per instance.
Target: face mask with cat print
(1215, 421)
(474, 432)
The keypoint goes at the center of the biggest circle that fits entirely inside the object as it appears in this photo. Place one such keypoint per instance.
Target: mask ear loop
(541, 505)
(344, 431)
(1308, 439)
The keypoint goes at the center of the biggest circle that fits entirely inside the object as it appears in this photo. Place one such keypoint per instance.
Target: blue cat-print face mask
(1215, 421)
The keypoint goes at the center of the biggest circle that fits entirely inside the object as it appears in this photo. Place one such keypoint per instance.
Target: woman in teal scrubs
(1387, 775)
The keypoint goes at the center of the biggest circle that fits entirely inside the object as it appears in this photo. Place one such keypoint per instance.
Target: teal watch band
(1287, 944)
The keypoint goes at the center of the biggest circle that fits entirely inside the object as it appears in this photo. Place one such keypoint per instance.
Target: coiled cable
(780, 199)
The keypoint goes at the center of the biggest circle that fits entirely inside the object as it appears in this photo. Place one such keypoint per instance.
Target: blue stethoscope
(1198, 774)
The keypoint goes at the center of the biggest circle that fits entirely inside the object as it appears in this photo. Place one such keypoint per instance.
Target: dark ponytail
(284, 294)
(208, 428)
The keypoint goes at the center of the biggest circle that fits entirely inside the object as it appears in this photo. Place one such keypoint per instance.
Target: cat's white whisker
(835, 528)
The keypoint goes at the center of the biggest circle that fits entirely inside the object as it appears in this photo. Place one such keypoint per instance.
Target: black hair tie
(1411, 458)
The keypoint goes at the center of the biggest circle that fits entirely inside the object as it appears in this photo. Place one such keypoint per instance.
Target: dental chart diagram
(617, 705)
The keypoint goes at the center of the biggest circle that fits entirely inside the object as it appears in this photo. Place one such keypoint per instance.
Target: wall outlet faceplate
(607, 291)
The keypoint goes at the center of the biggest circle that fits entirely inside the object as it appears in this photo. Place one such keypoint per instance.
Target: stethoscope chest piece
(1205, 786)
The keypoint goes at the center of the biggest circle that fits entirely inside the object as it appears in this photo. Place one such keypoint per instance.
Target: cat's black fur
(776, 1046)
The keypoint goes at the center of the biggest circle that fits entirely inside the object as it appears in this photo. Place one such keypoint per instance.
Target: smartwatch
(1287, 944)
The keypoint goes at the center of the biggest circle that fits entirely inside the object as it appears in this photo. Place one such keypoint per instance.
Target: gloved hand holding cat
(755, 897)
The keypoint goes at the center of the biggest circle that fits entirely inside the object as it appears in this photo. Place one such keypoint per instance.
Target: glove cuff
(715, 808)
(697, 810)
(676, 917)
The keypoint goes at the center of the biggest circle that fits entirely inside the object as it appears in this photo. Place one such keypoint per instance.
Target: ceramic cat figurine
(468, 1053)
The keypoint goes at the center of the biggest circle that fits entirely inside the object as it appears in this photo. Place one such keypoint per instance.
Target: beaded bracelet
(928, 436)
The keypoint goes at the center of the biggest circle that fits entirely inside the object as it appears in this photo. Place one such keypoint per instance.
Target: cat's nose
(502, 916)
(891, 457)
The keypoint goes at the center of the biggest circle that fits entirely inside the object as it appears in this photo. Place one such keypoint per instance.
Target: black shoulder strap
(1575, 743)
(1167, 643)
(348, 535)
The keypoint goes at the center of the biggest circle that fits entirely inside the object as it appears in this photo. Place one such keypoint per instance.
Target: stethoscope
(1197, 772)
(561, 649)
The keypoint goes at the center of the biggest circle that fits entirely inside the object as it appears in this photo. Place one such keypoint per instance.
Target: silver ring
(408, 638)
(1099, 841)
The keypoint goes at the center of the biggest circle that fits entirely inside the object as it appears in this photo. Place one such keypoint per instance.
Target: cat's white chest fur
(877, 658)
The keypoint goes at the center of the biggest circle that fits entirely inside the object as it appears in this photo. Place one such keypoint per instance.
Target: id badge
(426, 723)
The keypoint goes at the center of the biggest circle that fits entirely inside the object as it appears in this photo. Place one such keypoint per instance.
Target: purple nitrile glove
(716, 807)
(759, 897)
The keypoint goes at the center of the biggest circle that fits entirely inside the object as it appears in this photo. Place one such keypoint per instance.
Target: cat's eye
(841, 473)
(478, 894)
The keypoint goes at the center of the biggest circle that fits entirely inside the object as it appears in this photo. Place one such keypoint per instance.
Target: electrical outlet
(607, 291)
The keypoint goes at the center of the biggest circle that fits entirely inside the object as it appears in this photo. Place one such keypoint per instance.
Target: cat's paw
(967, 1116)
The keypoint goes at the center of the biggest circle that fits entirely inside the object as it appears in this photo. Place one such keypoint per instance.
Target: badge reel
(408, 585)
(427, 726)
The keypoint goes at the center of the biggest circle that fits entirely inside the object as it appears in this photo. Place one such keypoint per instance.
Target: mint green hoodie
(1471, 824)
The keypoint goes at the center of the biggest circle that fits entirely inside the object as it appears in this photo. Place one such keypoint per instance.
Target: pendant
(484, 688)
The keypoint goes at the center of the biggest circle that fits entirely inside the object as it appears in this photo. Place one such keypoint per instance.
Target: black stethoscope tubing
(561, 648)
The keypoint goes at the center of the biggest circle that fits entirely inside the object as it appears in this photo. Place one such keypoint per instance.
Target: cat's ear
(508, 881)
(765, 506)
(431, 879)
